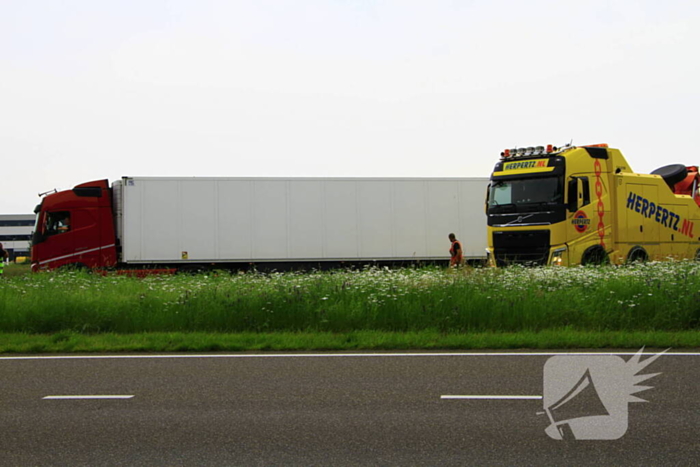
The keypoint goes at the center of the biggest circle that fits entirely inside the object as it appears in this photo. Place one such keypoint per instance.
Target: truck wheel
(697, 255)
(74, 267)
(637, 254)
(595, 256)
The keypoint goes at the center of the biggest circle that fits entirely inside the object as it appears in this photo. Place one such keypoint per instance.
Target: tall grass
(662, 296)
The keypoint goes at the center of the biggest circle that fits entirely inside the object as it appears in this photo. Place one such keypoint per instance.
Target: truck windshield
(509, 195)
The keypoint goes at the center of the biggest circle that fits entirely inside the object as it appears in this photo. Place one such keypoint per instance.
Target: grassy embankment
(655, 304)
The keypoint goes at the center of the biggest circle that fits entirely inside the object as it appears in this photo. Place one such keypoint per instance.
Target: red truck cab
(75, 228)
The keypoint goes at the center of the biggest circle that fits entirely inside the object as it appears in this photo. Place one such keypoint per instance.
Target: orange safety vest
(456, 259)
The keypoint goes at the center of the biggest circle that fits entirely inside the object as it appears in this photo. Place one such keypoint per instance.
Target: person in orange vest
(3, 257)
(456, 251)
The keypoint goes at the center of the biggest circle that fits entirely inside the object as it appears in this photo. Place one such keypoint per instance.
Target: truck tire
(697, 255)
(74, 267)
(672, 174)
(637, 255)
(595, 256)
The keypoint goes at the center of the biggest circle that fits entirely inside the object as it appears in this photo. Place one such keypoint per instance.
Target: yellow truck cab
(584, 205)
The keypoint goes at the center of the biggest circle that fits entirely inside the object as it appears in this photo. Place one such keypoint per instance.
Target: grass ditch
(70, 342)
(653, 304)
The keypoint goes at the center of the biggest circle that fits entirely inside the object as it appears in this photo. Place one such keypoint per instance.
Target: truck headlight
(558, 256)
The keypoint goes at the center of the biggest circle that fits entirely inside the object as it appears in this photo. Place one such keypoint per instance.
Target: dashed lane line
(492, 397)
(78, 397)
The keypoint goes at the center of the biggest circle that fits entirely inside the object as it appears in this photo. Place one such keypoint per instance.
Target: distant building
(16, 233)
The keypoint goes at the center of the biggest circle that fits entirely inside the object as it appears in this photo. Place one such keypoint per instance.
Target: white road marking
(335, 355)
(485, 397)
(82, 252)
(88, 397)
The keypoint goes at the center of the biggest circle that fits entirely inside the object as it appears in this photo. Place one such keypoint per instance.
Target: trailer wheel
(637, 255)
(697, 255)
(193, 269)
(595, 256)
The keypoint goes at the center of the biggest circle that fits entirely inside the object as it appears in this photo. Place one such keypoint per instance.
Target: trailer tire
(637, 255)
(193, 269)
(697, 255)
(595, 256)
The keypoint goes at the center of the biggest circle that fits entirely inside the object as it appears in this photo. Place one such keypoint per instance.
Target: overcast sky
(94, 89)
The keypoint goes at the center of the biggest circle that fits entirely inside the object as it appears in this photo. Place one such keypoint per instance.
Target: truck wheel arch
(637, 254)
(595, 255)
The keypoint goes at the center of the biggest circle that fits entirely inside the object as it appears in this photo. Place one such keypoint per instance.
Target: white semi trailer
(179, 221)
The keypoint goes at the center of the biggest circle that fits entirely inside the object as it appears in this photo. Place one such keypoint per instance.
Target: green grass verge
(649, 297)
(70, 342)
(13, 270)
(653, 304)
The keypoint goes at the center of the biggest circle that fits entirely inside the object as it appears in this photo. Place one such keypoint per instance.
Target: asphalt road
(330, 409)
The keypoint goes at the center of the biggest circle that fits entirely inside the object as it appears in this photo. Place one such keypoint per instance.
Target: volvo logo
(519, 219)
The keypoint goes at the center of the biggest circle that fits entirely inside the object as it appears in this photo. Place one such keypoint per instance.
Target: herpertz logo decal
(587, 396)
(531, 164)
(580, 221)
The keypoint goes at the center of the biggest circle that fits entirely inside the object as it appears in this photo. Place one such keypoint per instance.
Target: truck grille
(530, 248)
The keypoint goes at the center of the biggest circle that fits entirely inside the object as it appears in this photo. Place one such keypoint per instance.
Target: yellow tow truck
(584, 205)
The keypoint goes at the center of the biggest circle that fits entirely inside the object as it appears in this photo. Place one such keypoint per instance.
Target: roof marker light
(549, 148)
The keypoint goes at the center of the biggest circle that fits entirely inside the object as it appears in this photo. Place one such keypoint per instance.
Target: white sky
(95, 89)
